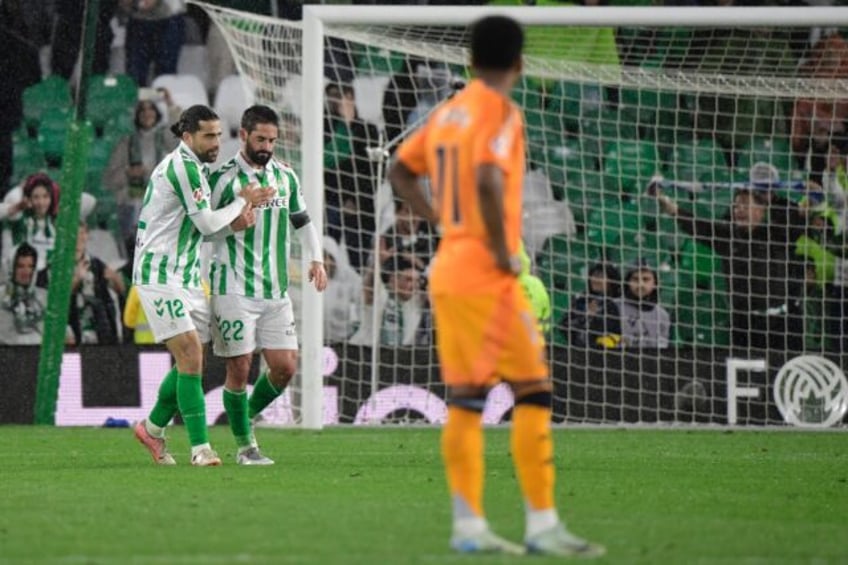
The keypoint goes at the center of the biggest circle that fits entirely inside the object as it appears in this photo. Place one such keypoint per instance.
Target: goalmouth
(596, 154)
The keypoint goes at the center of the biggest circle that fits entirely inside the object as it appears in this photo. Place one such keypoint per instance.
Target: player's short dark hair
(259, 114)
(190, 119)
(496, 43)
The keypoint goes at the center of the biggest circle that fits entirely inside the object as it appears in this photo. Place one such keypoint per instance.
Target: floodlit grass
(377, 496)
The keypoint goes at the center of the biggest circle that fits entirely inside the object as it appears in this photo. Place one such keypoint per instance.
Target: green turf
(377, 496)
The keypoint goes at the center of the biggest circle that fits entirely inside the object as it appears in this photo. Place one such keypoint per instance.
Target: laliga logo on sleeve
(811, 391)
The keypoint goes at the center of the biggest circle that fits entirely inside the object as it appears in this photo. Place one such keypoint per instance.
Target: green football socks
(166, 402)
(264, 393)
(192, 407)
(235, 403)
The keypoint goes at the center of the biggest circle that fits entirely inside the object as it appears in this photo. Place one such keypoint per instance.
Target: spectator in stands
(765, 278)
(68, 26)
(348, 173)
(402, 309)
(22, 303)
(433, 83)
(815, 121)
(31, 212)
(401, 97)
(645, 324)
(96, 296)
(155, 34)
(409, 236)
(343, 296)
(24, 27)
(822, 248)
(32, 217)
(593, 320)
(134, 158)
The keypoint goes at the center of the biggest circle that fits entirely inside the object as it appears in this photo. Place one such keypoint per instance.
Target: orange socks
(533, 453)
(462, 451)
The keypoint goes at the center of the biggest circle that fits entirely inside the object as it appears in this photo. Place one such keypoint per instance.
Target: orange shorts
(487, 337)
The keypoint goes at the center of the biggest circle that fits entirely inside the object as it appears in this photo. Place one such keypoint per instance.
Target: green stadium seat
(613, 224)
(629, 164)
(373, 60)
(701, 263)
(110, 96)
(773, 150)
(51, 93)
(701, 161)
(27, 158)
(572, 102)
(649, 108)
(99, 154)
(702, 318)
(52, 133)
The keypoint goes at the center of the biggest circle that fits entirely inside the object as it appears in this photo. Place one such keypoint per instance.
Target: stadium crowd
(761, 257)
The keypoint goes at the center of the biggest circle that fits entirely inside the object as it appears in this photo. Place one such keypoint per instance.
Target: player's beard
(208, 156)
(258, 158)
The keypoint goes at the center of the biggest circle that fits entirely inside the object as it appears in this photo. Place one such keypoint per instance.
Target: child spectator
(593, 320)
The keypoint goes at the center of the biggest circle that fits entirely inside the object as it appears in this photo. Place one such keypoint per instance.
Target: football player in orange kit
(472, 150)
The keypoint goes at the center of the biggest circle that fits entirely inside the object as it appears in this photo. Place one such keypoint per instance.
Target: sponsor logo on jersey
(275, 203)
(199, 195)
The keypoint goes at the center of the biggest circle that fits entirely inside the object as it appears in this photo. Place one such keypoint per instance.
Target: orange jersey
(478, 126)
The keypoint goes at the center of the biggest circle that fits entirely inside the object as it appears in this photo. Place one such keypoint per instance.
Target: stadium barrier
(681, 386)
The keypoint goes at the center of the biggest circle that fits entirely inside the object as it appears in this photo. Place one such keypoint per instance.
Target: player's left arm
(306, 232)
(403, 176)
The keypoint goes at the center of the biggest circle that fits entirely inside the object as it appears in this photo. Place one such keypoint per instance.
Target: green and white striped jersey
(254, 262)
(167, 244)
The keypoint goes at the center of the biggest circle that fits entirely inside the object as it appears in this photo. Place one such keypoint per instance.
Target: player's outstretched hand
(257, 195)
(246, 219)
(318, 276)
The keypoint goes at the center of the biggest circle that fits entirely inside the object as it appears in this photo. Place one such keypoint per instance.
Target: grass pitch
(377, 496)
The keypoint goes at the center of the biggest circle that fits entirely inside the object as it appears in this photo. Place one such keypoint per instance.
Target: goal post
(672, 107)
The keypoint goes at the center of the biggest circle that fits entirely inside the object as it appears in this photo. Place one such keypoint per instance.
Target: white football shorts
(243, 325)
(172, 310)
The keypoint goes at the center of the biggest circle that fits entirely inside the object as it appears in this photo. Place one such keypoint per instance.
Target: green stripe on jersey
(190, 274)
(267, 283)
(145, 267)
(249, 283)
(183, 241)
(171, 173)
(163, 271)
(222, 287)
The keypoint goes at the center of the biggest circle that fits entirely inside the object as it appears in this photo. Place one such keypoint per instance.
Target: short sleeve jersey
(478, 126)
(167, 249)
(254, 262)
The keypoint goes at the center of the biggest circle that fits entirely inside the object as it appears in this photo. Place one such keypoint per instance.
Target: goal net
(679, 310)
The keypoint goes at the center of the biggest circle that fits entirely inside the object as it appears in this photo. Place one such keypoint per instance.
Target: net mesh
(614, 116)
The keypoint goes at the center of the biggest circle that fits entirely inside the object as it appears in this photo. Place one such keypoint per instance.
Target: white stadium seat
(186, 90)
(234, 95)
(194, 61)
